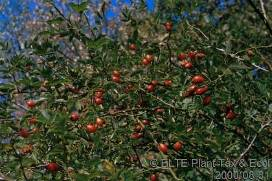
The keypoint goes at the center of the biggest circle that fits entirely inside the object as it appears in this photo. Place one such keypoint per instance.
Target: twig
(233, 55)
(261, 16)
(263, 9)
(199, 30)
(258, 47)
(253, 140)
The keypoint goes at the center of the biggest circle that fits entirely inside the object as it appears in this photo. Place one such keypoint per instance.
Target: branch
(253, 140)
(261, 16)
(263, 9)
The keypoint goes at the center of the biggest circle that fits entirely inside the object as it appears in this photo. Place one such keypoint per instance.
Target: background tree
(95, 98)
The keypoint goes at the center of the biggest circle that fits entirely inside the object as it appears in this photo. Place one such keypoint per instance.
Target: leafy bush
(159, 90)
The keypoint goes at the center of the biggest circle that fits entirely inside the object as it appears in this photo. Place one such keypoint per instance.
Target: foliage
(53, 99)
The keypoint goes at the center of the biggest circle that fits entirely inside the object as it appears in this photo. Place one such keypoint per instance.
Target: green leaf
(55, 20)
(80, 8)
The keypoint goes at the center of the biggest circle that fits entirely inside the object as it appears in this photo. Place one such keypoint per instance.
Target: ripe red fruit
(178, 146)
(116, 79)
(192, 55)
(136, 135)
(31, 104)
(145, 61)
(146, 122)
(183, 63)
(230, 115)
(198, 79)
(100, 122)
(153, 177)
(201, 90)
(167, 83)
(154, 82)
(98, 101)
(116, 73)
(24, 133)
(149, 57)
(91, 128)
(52, 167)
(74, 116)
(168, 26)
(159, 110)
(32, 120)
(207, 100)
(191, 88)
(163, 148)
(132, 46)
(182, 56)
(188, 65)
(150, 88)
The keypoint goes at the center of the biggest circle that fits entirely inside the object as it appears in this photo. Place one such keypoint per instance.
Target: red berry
(182, 56)
(91, 128)
(74, 116)
(191, 88)
(98, 101)
(167, 83)
(154, 82)
(168, 26)
(146, 122)
(136, 135)
(116, 79)
(183, 63)
(32, 120)
(52, 167)
(159, 110)
(207, 100)
(100, 122)
(153, 177)
(188, 65)
(230, 115)
(132, 46)
(163, 148)
(201, 90)
(116, 73)
(192, 55)
(150, 88)
(24, 133)
(178, 146)
(31, 104)
(149, 57)
(145, 61)
(198, 79)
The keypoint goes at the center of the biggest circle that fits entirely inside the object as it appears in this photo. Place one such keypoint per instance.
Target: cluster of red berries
(162, 147)
(139, 127)
(151, 86)
(147, 59)
(186, 59)
(98, 97)
(116, 76)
